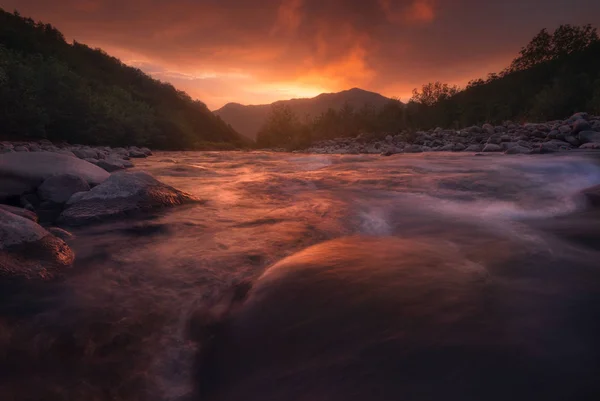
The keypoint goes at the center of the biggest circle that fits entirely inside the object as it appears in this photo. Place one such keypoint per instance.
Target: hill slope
(60, 91)
(247, 120)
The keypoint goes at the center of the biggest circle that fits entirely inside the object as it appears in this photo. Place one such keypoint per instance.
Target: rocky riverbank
(43, 186)
(580, 131)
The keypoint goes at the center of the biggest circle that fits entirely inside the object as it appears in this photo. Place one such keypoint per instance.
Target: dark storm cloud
(243, 50)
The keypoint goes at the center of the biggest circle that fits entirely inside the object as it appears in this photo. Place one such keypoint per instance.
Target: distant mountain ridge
(247, 120)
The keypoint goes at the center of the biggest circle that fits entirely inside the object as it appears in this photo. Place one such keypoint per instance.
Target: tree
(433, 93)
(566, 39)
(282, 126)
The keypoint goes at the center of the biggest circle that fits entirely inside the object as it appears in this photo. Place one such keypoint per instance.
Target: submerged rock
(121, 194)
(593, 196)
(25, 171)
(29, 251)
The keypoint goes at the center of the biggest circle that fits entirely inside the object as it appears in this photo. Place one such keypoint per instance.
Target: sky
(259, 51)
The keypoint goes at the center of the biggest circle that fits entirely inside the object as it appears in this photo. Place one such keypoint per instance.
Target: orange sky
(253, 52)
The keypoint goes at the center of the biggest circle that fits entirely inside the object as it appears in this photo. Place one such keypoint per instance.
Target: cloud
(246, 51)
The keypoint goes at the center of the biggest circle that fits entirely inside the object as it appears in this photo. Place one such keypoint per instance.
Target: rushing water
(116, 326)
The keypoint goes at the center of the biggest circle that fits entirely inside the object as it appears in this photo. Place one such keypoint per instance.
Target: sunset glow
(240, 51)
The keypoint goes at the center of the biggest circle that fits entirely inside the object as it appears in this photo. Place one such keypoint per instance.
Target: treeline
(555, 75)
(59, 91)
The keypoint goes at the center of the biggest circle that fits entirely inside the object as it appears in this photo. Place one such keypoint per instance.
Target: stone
(579, 126)
(60, 233)
(85, 153)
(495, 139)
(29, 251)
(110, 165)
(490, 147)
(21, 148)
(137, 154)
(580, 116)
(572, 140)
(388, 138)
(413, 149)
(474, 148)
(459, 147)
(565, 129)
(589, 136)
(489, 129)
(93, 161)
(60, 188)
(28, 214)
(508, 145)
(24, 172)
(590, 145)
(121, 194)
(515, 150)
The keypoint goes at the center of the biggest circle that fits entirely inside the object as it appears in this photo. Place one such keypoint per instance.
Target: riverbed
(115, 327)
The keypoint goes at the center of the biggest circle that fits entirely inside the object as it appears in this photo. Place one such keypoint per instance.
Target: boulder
(458, 147)
(489, 129)
(413, 149)
(110, 165)
(590, 145)
(21, 148)
(29, 251)
(490, 147)
(60, 188)
(516, 150)
(565, 129)
(474, 148)
(579, 126)
(572, 140)
(28, 214)
(589, 136)
(24, 172)
(121, 194)
(60, 233)
(85, 153)
(495, 139)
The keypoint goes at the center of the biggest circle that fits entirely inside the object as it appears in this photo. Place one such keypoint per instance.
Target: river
(115, 327)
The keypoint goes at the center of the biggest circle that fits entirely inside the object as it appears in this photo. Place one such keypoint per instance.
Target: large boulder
(589, 136)
(123, 193)
(29, 251)
(59, 188)
(24, 172)
(394, 319)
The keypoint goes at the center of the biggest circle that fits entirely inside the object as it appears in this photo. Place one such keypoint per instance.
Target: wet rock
(110, 165)
(589, 136)
(413, 149)
(60, 233)
(490, 147)
(121, 194)
(590, 146)
(21, 149)
(93, 161)
(24, 172)
(565, 129)
(146, 151)
(495, 140)
(28, 214)
(29, 251)
(59, 188)
(572, 140)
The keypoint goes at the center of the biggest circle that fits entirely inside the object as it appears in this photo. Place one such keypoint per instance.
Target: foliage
(59, 91)
(433, 93)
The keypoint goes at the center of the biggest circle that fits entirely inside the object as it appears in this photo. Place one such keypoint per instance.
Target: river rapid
(116, 326)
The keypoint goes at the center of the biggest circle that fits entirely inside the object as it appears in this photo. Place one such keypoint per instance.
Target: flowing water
(116, 326)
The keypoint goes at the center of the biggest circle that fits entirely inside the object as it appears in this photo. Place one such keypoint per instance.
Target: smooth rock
(28, 214)
(121, 194)
(579, 126)
(29, 251)
(85, 153)
(515, 150)
(60, 188)
(590, 145)
(24, 172)
(589, 136)
(60, 233)
(474, 148)
(21, 149)
(110, 165)
(490, 147)
(488, 128)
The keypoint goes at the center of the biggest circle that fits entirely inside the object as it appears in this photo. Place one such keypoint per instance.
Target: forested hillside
(554, 76)
(59, 91)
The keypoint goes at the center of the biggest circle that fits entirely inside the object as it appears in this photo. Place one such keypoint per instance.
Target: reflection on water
(115, 327)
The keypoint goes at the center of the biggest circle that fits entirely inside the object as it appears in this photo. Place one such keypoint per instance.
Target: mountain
(247, 120)
(68, 91)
